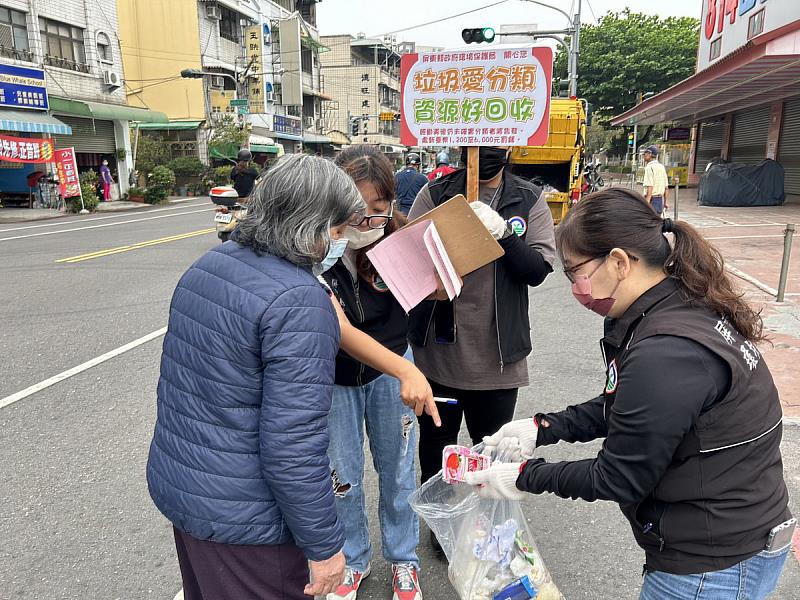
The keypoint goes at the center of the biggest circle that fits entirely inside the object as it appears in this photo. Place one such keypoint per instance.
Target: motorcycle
(592, 180)
(228, 212)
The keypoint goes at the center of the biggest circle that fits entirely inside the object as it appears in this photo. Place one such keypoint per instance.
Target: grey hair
(294, 205)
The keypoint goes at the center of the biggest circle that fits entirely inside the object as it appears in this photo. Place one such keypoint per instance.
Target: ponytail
(621, 218)
(700, 269)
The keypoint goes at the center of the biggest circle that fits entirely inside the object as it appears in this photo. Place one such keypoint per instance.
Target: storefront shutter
(709, 146)
(750, 130)
(789, 147)
(90, 136)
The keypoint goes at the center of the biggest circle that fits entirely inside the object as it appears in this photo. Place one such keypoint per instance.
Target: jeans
(392, 436)
(751, 579)
(657, 202)
(485, 411)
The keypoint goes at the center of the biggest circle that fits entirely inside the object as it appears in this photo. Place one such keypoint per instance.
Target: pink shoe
(405, 583)
(349, 587)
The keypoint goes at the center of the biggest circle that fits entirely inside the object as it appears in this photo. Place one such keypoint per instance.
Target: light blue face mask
(335, 251)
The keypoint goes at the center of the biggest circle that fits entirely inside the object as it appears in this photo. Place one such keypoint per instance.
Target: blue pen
(445, 400)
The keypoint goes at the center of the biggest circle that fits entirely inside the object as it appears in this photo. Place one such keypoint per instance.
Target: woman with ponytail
(689, 411)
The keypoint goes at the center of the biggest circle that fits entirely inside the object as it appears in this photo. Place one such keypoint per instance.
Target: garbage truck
(557, 167)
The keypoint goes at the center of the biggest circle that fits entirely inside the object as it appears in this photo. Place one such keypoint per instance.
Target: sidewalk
(751, 242)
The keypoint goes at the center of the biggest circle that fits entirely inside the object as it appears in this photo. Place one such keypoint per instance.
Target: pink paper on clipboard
(412, 261)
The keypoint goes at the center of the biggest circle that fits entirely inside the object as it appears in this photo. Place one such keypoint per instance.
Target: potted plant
(136, 194)
(159, 184)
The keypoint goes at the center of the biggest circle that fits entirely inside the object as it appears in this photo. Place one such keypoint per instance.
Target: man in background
(655, 180)
(409, 182)
(442, 167)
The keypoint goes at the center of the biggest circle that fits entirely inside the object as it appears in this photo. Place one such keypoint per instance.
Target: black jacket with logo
(520, 267)
(372, 308)
(692, 427)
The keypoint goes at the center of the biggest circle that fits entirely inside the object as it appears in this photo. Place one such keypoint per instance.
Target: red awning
(761, 71)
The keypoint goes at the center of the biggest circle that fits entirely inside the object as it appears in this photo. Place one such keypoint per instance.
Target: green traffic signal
(478, 35)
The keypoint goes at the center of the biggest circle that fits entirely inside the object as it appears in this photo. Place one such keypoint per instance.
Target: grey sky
(375, 17)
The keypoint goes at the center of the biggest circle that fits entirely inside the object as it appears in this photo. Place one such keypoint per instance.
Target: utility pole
(576, 52)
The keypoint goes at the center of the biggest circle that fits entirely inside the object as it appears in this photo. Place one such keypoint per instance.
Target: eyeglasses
(372, 221)
(571, 272)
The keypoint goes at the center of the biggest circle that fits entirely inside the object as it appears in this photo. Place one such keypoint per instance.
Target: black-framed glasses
(372, 221)
(570, 273)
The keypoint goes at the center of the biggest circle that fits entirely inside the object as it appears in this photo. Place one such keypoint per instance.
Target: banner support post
(473, 164)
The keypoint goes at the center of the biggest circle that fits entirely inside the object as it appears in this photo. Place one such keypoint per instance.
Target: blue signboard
(21, 87)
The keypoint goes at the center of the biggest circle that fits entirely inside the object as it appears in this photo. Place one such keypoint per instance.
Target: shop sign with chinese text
(22, 87)
(26, 150)
(254, 47)
(498, 97)
(67, 170)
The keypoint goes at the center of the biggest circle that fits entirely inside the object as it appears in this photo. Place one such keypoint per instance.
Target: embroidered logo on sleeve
(518, 225)
(613, 377)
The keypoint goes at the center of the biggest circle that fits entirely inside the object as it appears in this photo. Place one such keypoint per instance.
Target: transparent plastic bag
(487, 542)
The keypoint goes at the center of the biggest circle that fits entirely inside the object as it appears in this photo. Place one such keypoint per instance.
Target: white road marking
(38, 387)
(750, 279)
(744, 237)
(179, 595)
(31, 235)
(81, 221)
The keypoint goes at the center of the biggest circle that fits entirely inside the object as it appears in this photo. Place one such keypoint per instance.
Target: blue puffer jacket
(239, 454)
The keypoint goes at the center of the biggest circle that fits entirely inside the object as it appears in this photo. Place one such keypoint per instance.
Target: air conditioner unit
(320, 124)
(269, 96)
(213, 12)
(308, 122)
(217, 81)
(112, 79)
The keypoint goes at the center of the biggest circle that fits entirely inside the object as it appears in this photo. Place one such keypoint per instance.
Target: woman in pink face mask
(689, 413)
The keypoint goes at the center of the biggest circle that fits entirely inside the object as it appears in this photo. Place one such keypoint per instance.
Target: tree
(151, 151)
(227, 134)
(629, 53)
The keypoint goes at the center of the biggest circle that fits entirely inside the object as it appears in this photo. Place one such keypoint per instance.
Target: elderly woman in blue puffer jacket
(238, 461)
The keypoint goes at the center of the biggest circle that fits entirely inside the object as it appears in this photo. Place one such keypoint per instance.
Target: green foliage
(627, 53)
(89, 180)
(218, 176)
(159, 184)
(136, 191)
(227, 132)
(151, 152)
(186, 166)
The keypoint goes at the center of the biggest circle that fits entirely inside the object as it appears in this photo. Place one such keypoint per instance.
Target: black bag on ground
(736, 184)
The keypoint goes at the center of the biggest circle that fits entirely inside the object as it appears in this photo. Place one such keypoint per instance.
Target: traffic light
(630, 139)
(479, 35)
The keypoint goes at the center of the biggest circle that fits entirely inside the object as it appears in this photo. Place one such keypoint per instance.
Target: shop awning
(224, 151)
(313, 138)
(111, 112)
(264, 148)
(171, 126)
(32, 122)
(755, 74)
(392, 149)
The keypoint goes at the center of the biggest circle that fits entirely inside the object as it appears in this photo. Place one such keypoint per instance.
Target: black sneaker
(437, 547)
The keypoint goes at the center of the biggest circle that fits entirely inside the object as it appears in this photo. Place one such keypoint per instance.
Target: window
(756, 25)
(15, 33)
(716, 49)
(305, 60)
(63, 41)
(104, 48)
(229, 26)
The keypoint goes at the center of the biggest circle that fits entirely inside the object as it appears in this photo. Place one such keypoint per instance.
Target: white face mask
(358, 239)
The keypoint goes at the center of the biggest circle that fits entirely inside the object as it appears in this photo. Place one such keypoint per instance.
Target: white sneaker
(349, 586)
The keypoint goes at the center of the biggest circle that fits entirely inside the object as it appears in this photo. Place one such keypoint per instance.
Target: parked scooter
(228, 212)
(592, 180)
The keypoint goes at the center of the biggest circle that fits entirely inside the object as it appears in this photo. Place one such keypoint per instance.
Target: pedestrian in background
(690, 415)
(655, 180)
(363, 397)
(238, 461)
(243, 175)
(442, 167)
(474, 348)
(409, 182)
(106, 180)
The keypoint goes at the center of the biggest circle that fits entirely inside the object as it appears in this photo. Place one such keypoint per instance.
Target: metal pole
(576, 51)
(788, 234)
(634, 153)
(677, 181)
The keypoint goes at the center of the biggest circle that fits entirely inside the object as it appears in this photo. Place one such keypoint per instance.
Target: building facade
(743, 103)
(74, 44)
(261, 54)
(362, 76)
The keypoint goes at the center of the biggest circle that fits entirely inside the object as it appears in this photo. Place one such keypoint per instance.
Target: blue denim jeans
(751, 579)
(391, 428)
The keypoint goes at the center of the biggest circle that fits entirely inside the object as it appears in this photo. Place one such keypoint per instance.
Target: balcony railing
(8, 52)
(65, 63)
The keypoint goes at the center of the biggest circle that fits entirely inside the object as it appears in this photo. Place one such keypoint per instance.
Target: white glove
(490, 219)
(498, 482)
(522, 433)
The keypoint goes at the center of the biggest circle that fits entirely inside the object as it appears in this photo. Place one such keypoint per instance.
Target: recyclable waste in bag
(488, 544)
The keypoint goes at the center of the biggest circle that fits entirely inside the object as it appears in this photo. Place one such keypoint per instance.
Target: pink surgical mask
(582, 290)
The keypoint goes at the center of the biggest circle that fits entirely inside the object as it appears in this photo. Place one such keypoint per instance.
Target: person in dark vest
(409, 182)
(689, 411)
(364, 398)
(243, 175)
(474, 348)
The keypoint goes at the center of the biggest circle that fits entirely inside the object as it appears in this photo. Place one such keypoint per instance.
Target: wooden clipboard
(469, 244)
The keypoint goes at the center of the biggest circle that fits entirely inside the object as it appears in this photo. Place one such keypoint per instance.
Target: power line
(467, 12)
(592, 11)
